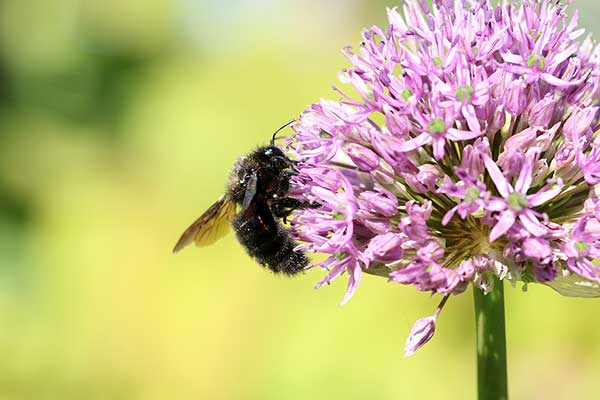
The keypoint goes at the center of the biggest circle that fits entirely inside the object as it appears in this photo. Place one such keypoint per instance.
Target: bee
(255, 199)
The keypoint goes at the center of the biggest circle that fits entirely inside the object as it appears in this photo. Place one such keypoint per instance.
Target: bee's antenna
(277, 131)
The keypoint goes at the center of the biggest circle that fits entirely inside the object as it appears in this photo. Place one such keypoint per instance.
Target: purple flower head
(468, 151)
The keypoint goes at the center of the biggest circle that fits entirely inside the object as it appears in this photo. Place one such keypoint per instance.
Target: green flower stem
(491, 344)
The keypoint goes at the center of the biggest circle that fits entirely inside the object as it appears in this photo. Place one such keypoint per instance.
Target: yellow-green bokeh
(119, 121)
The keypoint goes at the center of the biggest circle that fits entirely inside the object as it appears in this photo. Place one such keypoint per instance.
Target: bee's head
(274, 157)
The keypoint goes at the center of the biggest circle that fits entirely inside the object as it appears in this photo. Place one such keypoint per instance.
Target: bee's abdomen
(279, 256)
(267, 241)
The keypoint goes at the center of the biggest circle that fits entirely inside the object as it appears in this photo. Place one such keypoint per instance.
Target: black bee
(258, 185)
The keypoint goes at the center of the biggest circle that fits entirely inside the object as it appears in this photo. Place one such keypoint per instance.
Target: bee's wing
(574, 286)
(250, 190)
(210, 226)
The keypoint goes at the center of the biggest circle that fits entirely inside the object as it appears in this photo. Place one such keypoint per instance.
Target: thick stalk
(491, 344)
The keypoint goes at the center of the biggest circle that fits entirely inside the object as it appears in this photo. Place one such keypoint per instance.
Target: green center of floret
(406, 94)
(464, 92)
(534, 59)
(338, 216)
(517, 201)
(436, 126)
(471, 194)
(581, 246)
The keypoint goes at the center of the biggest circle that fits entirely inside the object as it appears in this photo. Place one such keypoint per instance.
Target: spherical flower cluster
(467, 152)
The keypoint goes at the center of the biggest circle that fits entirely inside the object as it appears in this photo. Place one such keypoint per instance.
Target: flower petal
(354, 277)
(525, 176)
(499, 180)
(505, 222)
(543, 196)
(531, 223)
(415, 143)
(458, 134)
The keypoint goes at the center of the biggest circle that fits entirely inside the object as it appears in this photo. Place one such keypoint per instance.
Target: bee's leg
(293, 168)
(283, 184)
(283, 207)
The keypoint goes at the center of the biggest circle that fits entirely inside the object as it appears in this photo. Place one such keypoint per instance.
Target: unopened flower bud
(515, 98)
(421, 333)
(381, 202)
(385, 248)
(362, 157)
(540, 113)
(579, 122)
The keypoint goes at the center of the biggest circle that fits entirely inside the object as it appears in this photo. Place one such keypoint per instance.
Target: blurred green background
(119, 121)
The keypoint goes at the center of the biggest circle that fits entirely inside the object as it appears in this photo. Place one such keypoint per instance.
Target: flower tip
(409, 352)
(347, 297)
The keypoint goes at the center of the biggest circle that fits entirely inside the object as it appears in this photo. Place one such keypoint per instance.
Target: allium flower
(468, 152)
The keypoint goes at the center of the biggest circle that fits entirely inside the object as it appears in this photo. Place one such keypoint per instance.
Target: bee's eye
(281, 162)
